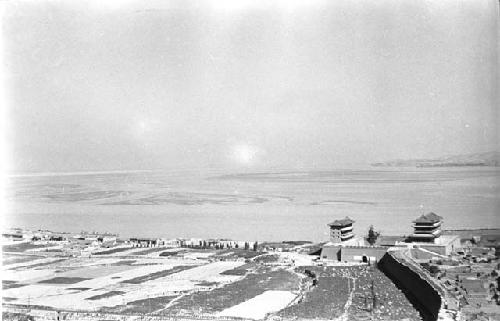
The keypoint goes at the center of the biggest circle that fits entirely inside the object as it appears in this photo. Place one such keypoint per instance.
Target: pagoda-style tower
(427, 228)
(341, 230)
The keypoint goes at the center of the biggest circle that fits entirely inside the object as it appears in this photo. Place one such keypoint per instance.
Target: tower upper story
(427, 227)
(341, 230)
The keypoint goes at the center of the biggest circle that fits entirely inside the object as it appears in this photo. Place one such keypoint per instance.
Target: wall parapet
(365, 247)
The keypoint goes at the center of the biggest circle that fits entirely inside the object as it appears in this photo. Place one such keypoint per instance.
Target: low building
(107, 240)
(13, 236)
(17, 235)
(481, 251)
(144, 242)
(358, 254)
(58, 238)
(473, 285)
(444, 245)
(491, 241)
(389, 240)
(170, 242)
(84, 240)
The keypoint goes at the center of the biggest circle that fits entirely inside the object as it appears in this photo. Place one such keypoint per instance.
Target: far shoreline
(463, 232)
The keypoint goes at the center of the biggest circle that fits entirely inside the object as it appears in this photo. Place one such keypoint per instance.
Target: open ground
(192, 282)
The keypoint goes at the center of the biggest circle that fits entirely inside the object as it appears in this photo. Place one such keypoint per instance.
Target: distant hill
(477, 159)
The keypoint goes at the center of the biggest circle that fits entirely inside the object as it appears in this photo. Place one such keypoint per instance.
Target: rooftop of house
(142, 239)
(490, 240)
(419, 254)
(472, 285)
(389, 240)
(342, 222)
(428, 218)
(355, 241)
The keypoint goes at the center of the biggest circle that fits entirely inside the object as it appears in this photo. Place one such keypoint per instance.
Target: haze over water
(285, 205)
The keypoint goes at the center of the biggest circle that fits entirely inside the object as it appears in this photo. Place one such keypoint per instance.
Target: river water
(274, 206)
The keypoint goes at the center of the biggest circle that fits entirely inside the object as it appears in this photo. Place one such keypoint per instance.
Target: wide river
(282, 205)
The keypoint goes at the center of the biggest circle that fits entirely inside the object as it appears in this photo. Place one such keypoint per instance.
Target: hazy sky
(247, 84)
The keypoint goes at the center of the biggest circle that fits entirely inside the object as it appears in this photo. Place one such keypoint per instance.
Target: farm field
(255, 283)
(9, 259)
(122, 279)
(361, 293)
(192, 282)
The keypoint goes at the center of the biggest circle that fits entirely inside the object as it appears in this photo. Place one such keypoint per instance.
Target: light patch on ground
(179, 282)
(208, 272)
(92, 261)
(258, 306)
(137, 251)
(61, 296)
(124, 275)
(33, 262)
(186, 280)
(96, 271)
(33, 291)
(130, 251)
(198, 255)
(165, 260)
(298, 259)
(44, 249)
(27, 275)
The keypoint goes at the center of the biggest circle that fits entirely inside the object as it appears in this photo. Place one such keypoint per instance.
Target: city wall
(414, 284)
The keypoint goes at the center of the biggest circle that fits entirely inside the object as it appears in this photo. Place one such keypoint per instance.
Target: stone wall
(331, 252)
(372, 254)
(367, 254)
(419, 291)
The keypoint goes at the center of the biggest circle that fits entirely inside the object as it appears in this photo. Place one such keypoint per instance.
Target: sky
(117, 85)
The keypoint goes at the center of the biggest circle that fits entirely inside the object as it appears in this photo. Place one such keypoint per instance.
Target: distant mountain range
(477, 159)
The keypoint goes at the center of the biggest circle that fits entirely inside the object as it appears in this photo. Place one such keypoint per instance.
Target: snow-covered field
(258, 306)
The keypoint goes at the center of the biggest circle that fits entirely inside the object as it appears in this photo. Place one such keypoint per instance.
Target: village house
(13, 236)
(170, 242)
(58, 238)
(144, 242)
(490, 241)
(107, 240)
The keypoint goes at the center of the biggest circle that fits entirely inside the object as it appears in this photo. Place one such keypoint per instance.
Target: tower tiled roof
(428, 218)
(343, 222)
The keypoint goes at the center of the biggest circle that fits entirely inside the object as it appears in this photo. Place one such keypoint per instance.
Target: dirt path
(345, 315)
(169, 304)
